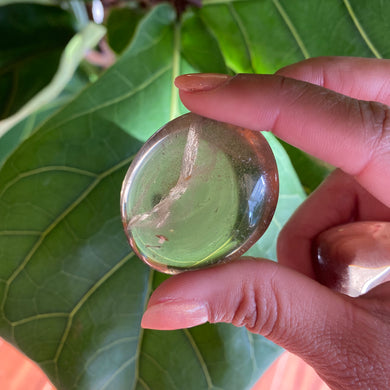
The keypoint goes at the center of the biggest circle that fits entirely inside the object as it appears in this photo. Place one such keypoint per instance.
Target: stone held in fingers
(353, 258)
(199, 192)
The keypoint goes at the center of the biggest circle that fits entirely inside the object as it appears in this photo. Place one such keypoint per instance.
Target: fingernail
(174, 315)
(200, 82)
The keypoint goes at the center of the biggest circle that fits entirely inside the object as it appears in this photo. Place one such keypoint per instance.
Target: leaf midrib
(142, 330)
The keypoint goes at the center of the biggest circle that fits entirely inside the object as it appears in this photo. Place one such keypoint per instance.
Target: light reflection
(257, 194)
(97, 11)
(359, 280)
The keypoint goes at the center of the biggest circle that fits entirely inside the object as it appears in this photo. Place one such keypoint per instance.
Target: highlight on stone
(199, 192)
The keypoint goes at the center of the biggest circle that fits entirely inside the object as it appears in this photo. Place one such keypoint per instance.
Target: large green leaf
(263, 36)
(71, 291)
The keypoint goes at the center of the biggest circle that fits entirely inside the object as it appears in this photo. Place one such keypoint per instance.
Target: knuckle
(246, 311)
(375, 119)
(378, 116)
(259, 309)
(271, 308)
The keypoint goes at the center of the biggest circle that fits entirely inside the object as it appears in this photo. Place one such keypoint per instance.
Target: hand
(313, 105)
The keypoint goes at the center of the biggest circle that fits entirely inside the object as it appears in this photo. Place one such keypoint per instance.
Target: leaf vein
(38, 317)
(118, 99)
(144, 384)
(361, 30)
(52, 168)
(252, 351)
(142, 330)
(117, 372)
(291, 27)
(162, 369)
(51, 227)
(84, 298)
(123, 78)
(97, 353)
(244, 33)
(200, 358)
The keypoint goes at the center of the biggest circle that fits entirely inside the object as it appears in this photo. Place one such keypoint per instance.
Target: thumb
(288, 308)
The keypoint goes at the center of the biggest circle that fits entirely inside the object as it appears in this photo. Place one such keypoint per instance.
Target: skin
(337, 110)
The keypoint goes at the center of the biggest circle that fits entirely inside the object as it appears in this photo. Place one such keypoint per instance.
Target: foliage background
(71, 291)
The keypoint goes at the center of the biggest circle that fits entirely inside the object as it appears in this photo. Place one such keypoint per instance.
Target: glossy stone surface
(353, 258)
(199, 192)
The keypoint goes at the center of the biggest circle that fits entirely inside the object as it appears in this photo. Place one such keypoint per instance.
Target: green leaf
(70, 59)
(32, 39)
(267, 35)
(121, 24)
(65, 258)
(224, 23)
(371, 20)
(199, 46)
(72, 293)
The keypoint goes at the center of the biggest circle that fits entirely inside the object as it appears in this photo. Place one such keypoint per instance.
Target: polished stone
(353, 258)
(199, 192)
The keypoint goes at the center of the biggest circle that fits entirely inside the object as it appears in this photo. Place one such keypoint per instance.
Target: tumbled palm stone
(199, 192)
(353, 258)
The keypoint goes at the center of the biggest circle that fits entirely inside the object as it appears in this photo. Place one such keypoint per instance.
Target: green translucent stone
(199, 192)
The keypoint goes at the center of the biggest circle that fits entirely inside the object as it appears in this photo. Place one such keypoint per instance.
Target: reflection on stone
(353, 258)
(198, 193)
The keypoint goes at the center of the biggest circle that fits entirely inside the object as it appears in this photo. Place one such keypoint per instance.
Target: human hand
(314, 106)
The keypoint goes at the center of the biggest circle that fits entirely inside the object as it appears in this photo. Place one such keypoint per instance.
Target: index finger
(360, 78)
(348, 133)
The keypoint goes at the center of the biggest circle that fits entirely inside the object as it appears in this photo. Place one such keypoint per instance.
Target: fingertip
(199, 82)
(171, 315)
